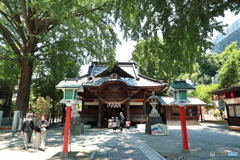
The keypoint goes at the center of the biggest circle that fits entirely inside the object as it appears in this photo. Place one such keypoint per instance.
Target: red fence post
(183, 128)
(66, 132)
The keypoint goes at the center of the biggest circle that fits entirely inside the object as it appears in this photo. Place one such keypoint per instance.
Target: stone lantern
(154, 117)
(153, 102)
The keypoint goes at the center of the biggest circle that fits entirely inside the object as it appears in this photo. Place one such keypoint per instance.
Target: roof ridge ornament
(114, 76)
(90, 78)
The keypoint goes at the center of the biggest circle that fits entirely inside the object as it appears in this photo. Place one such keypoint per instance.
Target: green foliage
(9, 74)
(202, 91)
(209, 64)
(186, 26)
(194, 76)
(217, 114)
(152, 60)
(42, 106)
(229, 72)
(34, 32)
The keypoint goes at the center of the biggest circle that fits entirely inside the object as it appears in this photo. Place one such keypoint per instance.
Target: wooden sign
(159, 129)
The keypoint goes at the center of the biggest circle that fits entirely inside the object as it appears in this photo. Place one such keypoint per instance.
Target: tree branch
(92, 10)
(4, 57)
(24, 9)
(10, 39)
(15, 21)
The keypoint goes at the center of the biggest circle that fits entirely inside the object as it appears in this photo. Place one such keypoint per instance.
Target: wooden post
(99, 115)
(66, 132)
(128, 110)
(144, 107)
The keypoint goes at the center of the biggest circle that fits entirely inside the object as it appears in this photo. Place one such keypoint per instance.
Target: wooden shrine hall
(121, 89)
(107, 92)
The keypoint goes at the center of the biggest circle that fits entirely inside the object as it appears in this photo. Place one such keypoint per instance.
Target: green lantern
(70, 88)
(70, 93)
(179, 90)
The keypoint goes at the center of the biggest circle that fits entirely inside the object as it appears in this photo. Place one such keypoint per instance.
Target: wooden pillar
(144, 108)
(128, 110)
(99, 115)
(144, 103)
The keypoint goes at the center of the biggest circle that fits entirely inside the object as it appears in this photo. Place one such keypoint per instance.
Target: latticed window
(237, 110)
(183, 95)
(69, 93)
(231, 111)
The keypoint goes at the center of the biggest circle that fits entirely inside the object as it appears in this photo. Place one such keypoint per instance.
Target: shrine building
(109, 91)
(231, 98)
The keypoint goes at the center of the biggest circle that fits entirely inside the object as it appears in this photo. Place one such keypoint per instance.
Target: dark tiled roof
(227, 90)
(181, 85)
(127, 73)
(142, 82)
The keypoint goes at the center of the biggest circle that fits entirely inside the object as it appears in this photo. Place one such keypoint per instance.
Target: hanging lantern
(232, 94)
(212, 98)
(218, 97)
(225, 96)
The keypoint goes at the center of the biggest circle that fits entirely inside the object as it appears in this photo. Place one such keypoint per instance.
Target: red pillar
(66, 130)
(184, 128)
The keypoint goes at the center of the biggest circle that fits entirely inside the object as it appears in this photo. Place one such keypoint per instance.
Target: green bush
(217, 114)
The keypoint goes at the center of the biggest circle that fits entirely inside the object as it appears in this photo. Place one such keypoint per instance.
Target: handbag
(33, 137)
(43, 129)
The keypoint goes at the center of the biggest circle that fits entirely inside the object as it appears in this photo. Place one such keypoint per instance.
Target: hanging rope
(114, 104)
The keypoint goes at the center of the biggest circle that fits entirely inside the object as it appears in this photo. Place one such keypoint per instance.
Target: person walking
(36, 143)
(121, 119)
(27, 130)
(128, 123)
(42, 126)
(114, 126)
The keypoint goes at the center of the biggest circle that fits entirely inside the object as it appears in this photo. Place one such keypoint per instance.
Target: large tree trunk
(22, 102)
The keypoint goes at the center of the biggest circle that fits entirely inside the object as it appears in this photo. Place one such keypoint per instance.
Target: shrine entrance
(112, 112)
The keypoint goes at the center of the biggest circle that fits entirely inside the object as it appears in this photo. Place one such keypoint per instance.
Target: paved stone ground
(103, 144)
(202, 139)
(95, 144)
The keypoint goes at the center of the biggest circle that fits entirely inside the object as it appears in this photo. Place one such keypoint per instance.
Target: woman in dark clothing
(27, 130)
(41, 127)
(121, 119)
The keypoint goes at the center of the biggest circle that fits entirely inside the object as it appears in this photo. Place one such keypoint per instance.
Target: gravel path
(203, 139)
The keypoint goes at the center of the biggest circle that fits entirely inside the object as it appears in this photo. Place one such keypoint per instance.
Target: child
(114, 126)
(128, 123)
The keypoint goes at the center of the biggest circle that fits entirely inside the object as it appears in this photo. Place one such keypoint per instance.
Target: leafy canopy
(32, 31)
(185, 26)
(229, 72)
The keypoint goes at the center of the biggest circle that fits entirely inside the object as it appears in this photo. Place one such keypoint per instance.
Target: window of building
(231, 111)
(237, 110)
(189, 112)
(175, 111)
